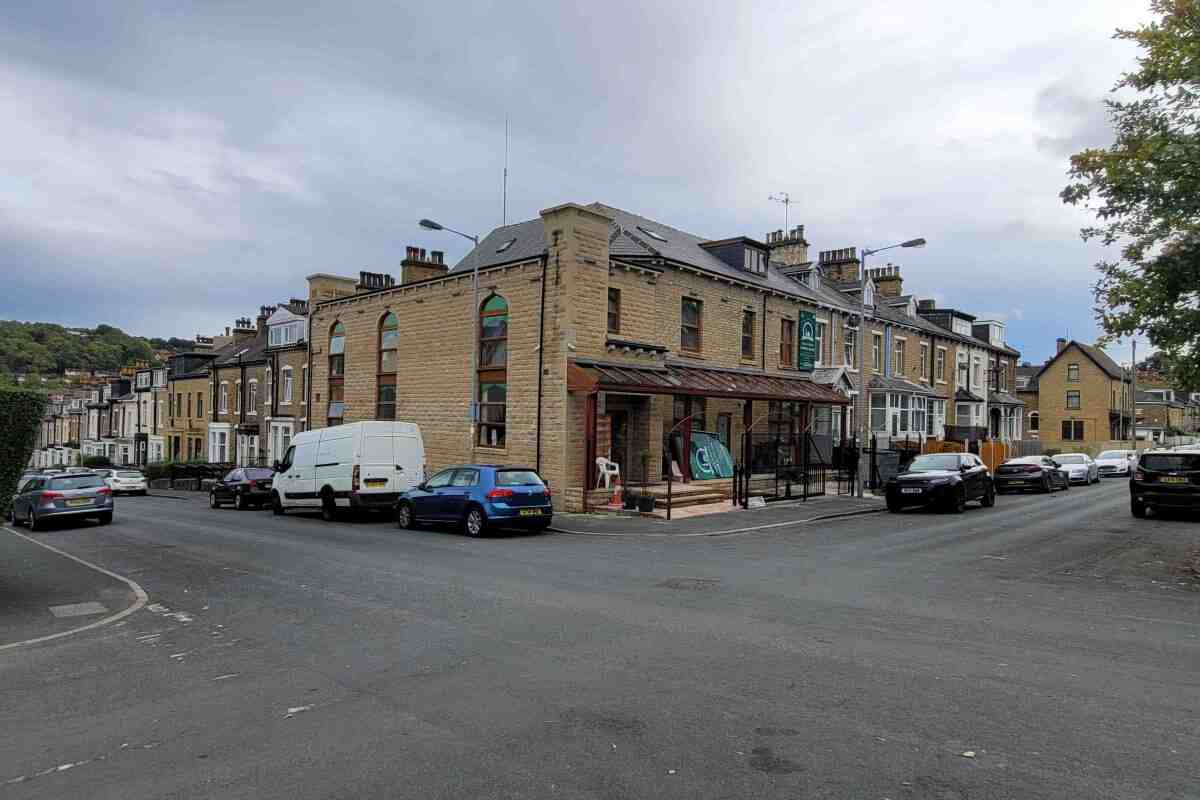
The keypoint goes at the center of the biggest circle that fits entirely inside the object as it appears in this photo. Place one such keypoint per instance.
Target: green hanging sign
(808, 341)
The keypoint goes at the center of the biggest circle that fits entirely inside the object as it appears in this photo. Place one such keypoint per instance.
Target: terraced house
(605, 333)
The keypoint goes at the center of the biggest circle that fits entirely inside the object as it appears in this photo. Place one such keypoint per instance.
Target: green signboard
(808, 340)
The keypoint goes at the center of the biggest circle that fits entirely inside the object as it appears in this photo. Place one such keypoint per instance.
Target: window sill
(489, 449)
(690, 354)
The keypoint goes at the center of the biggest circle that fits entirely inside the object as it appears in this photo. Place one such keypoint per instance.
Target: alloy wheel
(474, 522)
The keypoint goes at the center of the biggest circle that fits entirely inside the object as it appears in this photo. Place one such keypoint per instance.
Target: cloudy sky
(168, 167)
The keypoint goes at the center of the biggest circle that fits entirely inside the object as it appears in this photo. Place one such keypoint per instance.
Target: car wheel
(474, 523)
(34, 523)
(239, 502)
(989, 497)
(959, 503)
(328, 507)
(105, 518)
(142, 493)
(212, 500)
(404, 517)
(1047, 486)
(893, 508)
(1137, 508)
(276, 504)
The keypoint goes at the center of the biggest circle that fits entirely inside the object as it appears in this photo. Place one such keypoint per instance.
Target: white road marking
(140, 597)
(78, 609)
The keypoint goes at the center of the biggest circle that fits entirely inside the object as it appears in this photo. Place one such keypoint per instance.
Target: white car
(125, 481)
(1112, 463)
(1079, 466)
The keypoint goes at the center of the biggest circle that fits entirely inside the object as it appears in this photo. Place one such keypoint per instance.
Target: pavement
(46, 593)
(1045, 648)
(733, 519)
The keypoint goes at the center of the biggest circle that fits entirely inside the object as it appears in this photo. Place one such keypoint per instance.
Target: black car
(947, 480)
(1039, 473)
(245, 487)
(1165, 479)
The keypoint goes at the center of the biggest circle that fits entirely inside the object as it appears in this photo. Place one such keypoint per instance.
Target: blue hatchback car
(477, 497)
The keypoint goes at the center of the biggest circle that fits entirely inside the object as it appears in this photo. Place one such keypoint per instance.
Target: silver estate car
(62, 496)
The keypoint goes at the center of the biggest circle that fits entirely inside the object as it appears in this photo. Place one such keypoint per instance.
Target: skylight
(506, 245)
(655, 235)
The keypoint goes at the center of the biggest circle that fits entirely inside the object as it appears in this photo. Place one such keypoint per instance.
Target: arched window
(337, 374)
(1034, 420)
(389, 358)
(493, 371)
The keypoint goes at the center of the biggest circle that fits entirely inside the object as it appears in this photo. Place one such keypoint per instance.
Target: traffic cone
(616, 496)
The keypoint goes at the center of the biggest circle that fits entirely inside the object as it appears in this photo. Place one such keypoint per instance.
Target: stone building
(285, 411)
(1083, 399)
(240, 398)
(186, 429)
(602, 333)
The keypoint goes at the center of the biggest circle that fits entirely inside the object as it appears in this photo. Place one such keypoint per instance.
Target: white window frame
(252, 397)
(939, 364)
(237, 397)
(223, 399)
(821, 327)
(286, 379)
(900, 342)
(850, 348)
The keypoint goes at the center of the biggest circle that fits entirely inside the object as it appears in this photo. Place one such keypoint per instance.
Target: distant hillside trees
(46, 348)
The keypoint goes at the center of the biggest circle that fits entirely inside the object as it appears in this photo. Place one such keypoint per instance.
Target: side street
(508, 401)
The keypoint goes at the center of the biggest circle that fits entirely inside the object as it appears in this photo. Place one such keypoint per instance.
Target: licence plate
(1017, 483)
(375, 483)
(1170, 479)
(531, 512)
(82, 501)
(910, 491)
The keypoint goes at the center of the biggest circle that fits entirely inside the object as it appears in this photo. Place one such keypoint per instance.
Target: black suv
(1165, 479)
(947, 480)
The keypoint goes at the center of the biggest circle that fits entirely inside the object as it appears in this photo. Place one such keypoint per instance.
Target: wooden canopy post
(589, 446)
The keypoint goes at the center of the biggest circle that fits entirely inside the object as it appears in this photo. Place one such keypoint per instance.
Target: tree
(1145, 190)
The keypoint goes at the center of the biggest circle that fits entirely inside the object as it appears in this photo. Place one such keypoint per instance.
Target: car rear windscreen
(1166, 462)
(69, 482)
(518, 477)
(258, 473)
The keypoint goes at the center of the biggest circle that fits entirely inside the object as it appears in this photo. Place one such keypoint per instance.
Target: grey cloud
(1079, 120)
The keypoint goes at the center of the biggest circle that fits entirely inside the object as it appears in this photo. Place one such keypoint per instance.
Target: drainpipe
(763, 348)
(541, 341)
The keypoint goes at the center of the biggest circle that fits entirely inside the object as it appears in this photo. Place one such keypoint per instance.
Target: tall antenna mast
(504, 202)
(786, 199)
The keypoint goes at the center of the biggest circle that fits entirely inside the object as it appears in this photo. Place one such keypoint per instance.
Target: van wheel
(328, 507)
(474, 523)
(276, 504)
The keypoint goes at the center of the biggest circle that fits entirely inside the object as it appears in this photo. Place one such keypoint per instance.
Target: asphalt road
(861, 658)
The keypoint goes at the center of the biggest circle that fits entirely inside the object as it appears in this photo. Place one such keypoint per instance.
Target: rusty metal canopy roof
(697, 382)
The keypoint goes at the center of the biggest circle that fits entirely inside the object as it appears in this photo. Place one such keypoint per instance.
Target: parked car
(244, 487)
(477, 497)
(948, 480)
(1041, 473)
(1080, 467)
(1112, 463)
(126, 481)
(1165, 479)
(360, 465)
(75, 495)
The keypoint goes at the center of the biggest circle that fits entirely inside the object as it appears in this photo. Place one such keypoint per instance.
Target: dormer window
(756, 261)
(502, 248)
(869, 294)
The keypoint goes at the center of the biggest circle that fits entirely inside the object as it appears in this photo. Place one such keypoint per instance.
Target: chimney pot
(1062, 344)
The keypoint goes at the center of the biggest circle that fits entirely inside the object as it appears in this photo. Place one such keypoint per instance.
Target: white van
(357, 465)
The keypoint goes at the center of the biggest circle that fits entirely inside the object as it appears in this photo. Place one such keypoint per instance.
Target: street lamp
(864, 394)
(430, 225)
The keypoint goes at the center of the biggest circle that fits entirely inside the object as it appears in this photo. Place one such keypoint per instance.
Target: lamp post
(864, 394)
(473, 406)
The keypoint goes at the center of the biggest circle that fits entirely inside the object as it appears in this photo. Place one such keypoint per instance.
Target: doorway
(995, 415)
(619, 446)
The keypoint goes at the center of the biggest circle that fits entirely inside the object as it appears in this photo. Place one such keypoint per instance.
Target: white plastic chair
(605, 471)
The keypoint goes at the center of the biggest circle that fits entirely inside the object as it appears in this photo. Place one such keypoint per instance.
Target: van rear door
(377, 461)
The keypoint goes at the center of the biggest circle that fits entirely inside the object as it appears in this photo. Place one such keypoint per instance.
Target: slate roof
(1098, 356)
(1032, 374)
(1005, 399)
(965, 396)
(879, 383)
(252, 351)
(676, 378)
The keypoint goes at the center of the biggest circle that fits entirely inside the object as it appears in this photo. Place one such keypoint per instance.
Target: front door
(619, 448)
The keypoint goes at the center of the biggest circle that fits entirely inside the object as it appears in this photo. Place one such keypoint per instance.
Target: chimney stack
(416, 266)
(840, 265)
(887, 280)
(1062, 344)
(790, 249)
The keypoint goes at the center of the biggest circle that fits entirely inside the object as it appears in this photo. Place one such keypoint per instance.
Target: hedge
(95, 461)
(21, 413)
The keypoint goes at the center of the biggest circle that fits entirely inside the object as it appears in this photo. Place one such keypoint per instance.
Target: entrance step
(692, 499)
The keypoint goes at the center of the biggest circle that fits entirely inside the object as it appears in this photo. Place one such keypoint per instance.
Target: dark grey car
(62, 496)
